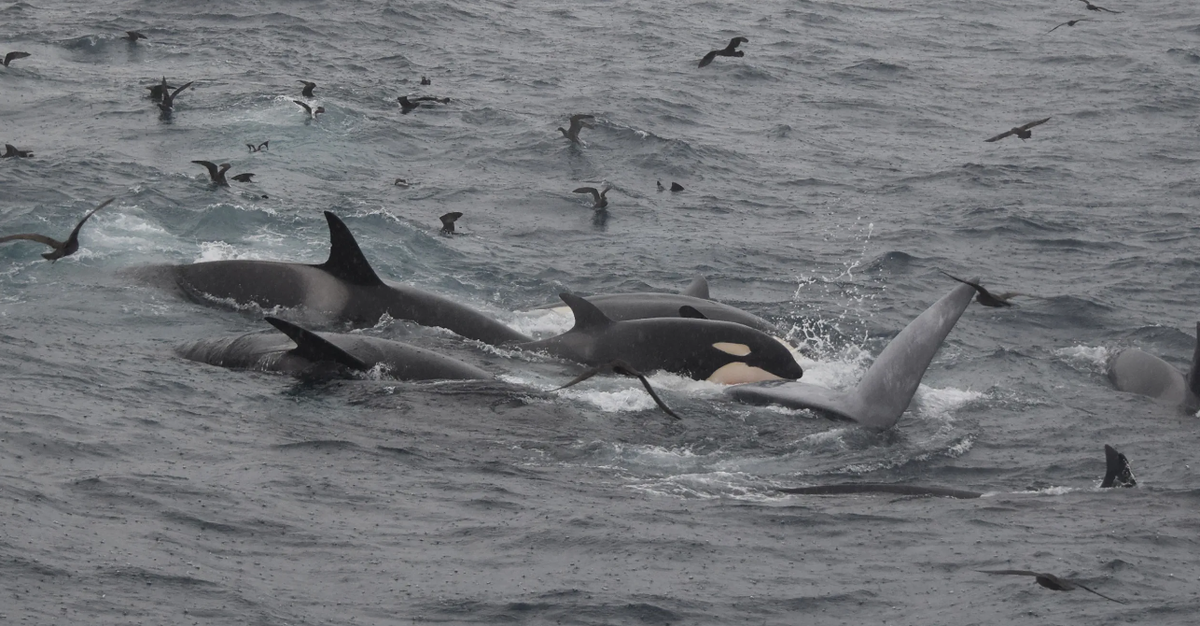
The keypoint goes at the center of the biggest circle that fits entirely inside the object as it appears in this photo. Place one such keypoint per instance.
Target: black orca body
(343, 288)
(1140, 372)
(724, 352)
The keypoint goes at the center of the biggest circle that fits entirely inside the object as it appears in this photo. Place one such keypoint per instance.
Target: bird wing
(13, 56)
(1002, 135)
(1085, 588)
(1011, 572)
(170, 99)
(591, 190)
(251, 146)
(212, 169)
(244, 178)
(733, 43)
(577, 122)
(449, 219)
(75, 232)
(708, 58)
(1057, 27)
(264, 145)
(1108, 11)
(306, 107)
(1032, 124)
(53, 243)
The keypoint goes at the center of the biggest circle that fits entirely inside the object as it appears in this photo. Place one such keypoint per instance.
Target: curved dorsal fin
(698, 288)
(346, 260)
(1117, 471)
(587, 315)
(314, 347)
(692, 312)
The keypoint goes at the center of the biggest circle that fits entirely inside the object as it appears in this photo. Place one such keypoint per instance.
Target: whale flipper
(346, 260)
(1117, 473)
(690, 311)
(315, 348)
(587, 315)
(889, 384)
(698, 289)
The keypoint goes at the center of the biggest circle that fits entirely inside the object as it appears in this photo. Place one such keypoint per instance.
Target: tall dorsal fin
(1193, 378)
(587, 315)
(692, 312)
(1117, 471)
(698, 288)
(314, 347)
(346, 260)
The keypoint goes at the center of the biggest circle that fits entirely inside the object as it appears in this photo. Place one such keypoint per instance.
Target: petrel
(168, 100)
(13, 56)
(133, 36)
(986, 298)
(426, 81)
(61, 248)
(1022, 132)
(1049, 581)
(308, 87)
(1092, 7)
(260, 147)
(158, 91)
(12, 151)
(313, 113)
(407, 104)
(217, 175)
(600, 201)
(243, 178)
(448, 222)
(728, 51)
(577, 123)
(1070, 23)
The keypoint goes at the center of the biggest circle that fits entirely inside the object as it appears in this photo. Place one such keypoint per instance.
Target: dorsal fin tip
(346, 260)
(698, 288)
(587, 315)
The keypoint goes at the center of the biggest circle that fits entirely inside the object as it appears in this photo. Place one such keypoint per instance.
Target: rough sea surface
(829, 174)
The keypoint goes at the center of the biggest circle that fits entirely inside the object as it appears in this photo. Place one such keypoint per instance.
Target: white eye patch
(736, 349)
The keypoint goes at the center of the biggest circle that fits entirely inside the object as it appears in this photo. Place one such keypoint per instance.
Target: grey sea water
(829, 174)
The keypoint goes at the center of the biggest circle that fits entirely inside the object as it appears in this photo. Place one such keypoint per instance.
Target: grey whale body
(1140, 372)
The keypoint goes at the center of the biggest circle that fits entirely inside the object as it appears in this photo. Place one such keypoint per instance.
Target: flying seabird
(728, 51)
(986, 298)
(260, 147)
(1070, 23)
(308, 87)
(158, 91)
(13, 56)
(168, 99)
(1049, 581)
(217, 175)
(313, 113)
(448, 222)
(133, 36)
(600, 201)
(1020, 131)
(1092, 7)
(12, 151)
(243, 178)
(577, 123)
(61, 248)
(624, 369)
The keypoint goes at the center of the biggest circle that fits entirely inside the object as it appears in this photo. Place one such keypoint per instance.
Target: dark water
(829, 174)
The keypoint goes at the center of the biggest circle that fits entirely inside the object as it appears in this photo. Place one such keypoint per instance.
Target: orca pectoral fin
(346, 260)
(314, 347)
(797, 395)
(587, 315)
(691, 312)
(698, 288)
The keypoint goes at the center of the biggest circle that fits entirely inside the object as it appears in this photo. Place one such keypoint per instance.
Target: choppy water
(829, 173)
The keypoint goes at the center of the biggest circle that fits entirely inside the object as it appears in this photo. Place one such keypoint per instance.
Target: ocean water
(829, 174)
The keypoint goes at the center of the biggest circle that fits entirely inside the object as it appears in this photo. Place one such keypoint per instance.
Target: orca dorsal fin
(587, 315)
(691, 312)
(698, 288)
(1117, 469)
(314, 347)
(1193, 377)
(346, 260)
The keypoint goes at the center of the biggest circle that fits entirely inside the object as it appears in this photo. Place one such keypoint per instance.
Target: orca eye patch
(736, 349)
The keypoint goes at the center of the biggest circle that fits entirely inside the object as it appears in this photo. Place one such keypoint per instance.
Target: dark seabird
(12, 151)
(624, 369)
(1049, 581)
(313, 113)
(1020, 131)
(400, 182)
(308, 87)
(986, 298)
(676, 187)
(728, 51)
(244, 178)
(660, 187)
(577, 123)
(260, 147)
(448, 222)
(61, 248)
(13, 56)
(168, 99)
(426, 81)
(217, 175)
(1092, 7)
(598, 196)
(1070, 23)
(408, 104)
(132, 36)
(158, 91)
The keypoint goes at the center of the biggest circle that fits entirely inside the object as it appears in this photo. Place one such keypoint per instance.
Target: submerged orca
(889, 384)
(303, 353)
(1143, 373)
(344, 288)
(723, 352)
(1117, 473)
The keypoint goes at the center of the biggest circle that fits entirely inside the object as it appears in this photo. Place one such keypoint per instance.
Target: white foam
(543, 322)
(222, 251)
(942, 403)
(1090, 357)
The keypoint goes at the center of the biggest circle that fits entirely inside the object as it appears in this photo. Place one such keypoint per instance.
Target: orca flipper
(346, 260)
(698, 288)
(889, 384)
(692, 312)
(587, 315)
(1117, 470)
(314, 347)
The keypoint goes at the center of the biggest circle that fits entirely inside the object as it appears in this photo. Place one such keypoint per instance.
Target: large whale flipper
(587, 315)
(1118, 472)
(698, 289)
(315, 348)
(889, 384)
(346, 260)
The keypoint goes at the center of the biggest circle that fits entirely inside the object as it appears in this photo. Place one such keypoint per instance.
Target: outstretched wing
(305, 105)
(179, 89)
(591, 190)
(708, 58)
(1010, 572)
(1032, 124)
(212, 169)
(1002, 135)
(13, 56)
(1081, 586)
(53, 243)
(75, 232)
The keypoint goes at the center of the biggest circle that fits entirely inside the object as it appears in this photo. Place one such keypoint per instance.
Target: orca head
(746, 355)
(1118, 472)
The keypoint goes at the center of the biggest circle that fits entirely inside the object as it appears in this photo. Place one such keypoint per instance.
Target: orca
(1117, 474)
(631, 306)
(304, 353)
(1140, 372)
(723, 352)
(344, 288)
(886, 389)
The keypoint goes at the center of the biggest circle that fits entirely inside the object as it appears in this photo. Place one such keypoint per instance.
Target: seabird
(313, 113)
(158, 91)
(728, 51)
(407, 104)
(217, 175)
(448, 222)
(426, 81)
(259, 148)
(577, 123)
(1020, 131)
(1070, 23)
(12, 151)
(308, 87)
(660, 187)
(986, 298)
(1049, 581)
(676, 187)
(244, 178)
(61, 248)
(1092, 7)
(624, 369)
(600, 201)
(133, 36)
(13, 56)
(400, 182)
(168, 99)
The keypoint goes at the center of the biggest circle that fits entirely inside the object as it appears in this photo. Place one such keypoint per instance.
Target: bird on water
(132, 36)
(11, 151)
(578, 122)
(13, 56)
(312, 113)
(168, 99)
(728, 51)
(599, 201)
(61, 248)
